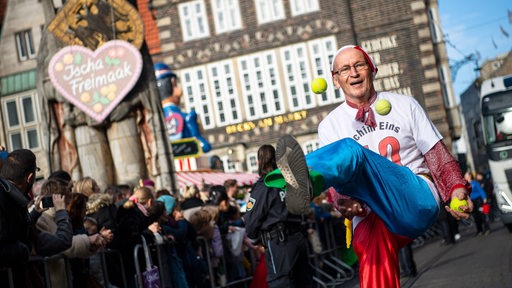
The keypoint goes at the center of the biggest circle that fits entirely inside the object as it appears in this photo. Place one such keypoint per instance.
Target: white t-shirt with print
(403, 136)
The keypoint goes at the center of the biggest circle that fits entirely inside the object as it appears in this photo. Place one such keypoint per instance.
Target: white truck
(496, 113)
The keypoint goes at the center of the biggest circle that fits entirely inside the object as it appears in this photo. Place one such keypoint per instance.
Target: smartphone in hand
(47, 202)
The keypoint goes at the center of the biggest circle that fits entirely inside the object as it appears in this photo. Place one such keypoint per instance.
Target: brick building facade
(403, 37)
(246, 66)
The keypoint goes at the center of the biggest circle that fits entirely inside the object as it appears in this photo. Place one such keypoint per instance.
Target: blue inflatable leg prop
(399, 197)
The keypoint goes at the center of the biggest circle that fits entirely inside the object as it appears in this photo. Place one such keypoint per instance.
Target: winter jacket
(58, 225)
(131, 224)
(100, 206)
(15, 225)
(59, 232)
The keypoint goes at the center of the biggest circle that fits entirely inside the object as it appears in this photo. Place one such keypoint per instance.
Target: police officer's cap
(163, 71)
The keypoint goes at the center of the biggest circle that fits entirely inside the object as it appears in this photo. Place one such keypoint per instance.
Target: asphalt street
(474, 261)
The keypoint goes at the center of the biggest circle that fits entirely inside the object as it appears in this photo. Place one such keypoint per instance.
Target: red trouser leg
(377, 250)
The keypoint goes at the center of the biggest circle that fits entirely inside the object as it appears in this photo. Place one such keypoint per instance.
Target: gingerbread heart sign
(96, 81)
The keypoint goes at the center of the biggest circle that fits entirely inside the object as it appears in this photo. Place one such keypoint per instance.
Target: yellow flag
(348, 228)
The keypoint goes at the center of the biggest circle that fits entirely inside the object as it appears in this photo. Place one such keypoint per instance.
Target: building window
(477, 128)
(229, 165)
(252, 162)
(20, 119)
(197, 95)
(225, 94)
(260, 85)
(269, 10)
(25, 45)
(57, 3)
(297, 77)
(226, 15)
(447, 96)
(310, 146)
(194, 24)
(496, 65)
(321, 66)
(434, 26)
(299, 7)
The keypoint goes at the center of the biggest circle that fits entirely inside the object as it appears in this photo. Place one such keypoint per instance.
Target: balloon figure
(179, 125)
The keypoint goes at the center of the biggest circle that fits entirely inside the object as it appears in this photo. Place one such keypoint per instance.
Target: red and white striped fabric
(188, 178)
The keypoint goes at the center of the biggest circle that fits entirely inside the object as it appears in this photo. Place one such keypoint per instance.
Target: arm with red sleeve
(448, 178)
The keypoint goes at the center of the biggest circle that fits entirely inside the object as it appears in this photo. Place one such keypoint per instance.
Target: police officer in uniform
(283, 234)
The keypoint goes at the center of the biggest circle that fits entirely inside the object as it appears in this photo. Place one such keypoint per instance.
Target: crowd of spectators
(82, 227)
(82, 222)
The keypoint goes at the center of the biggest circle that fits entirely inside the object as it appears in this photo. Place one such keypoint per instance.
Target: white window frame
(252, 162)
(299, 7)
(229, 165)
(269, 10)
(23, 127)
(437, 34)
(445, 90)
(57, 3)
(261, 87)
(321, 67)
(310, 146)
(196, 91)
(225, 98)
(295, 66)
(25, 45)
(226, 15)
(193, 20)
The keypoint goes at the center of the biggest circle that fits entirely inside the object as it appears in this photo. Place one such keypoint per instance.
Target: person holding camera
(18, 238)
(17, 177)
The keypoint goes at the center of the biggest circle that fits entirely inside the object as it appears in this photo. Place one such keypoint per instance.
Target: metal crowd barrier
(329, 259)
(138, 272)
(35, 260)
(9, 276)
(104, 267)
(161, 263)
(205, 253)
(246, 281)
(432, 232)
(42, 264)
(329, 270)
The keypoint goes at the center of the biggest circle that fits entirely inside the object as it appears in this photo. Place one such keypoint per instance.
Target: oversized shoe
(292, 164)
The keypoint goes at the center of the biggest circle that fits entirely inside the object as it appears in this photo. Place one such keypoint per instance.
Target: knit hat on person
(148, 182)
(370, 61)
(60, 175)
(169, 203)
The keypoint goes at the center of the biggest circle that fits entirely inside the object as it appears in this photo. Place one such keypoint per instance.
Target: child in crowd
(90, 225)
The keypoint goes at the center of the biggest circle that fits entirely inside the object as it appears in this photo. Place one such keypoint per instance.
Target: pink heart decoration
(96, 81)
